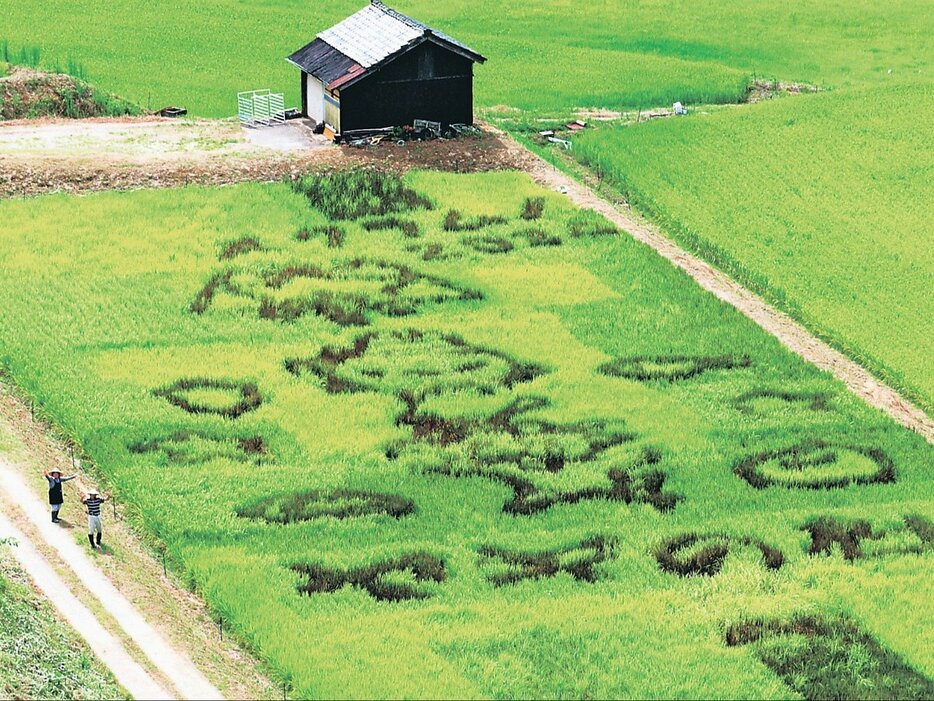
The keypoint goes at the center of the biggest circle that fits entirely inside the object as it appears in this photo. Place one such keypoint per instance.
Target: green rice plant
(505, 566)
(318, 523)
(211, 396)
(840, 249)
(692, 554)
(77, 70)
(398, 579)
(489, 244)
(538, 236)
(414, 365)
(550, 61)
(188, 447)
(406, 226)
(532, 208)
(241, 246)
(27, 56)
(454, 221)
(31, 56)
(817, 464)
(353, 194)
(830, 659)
(347, 292)
(589, 223)
(857, 538)
(671, 368)
(759, 399)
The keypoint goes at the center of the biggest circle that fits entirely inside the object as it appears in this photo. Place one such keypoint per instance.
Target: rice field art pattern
(401, 464)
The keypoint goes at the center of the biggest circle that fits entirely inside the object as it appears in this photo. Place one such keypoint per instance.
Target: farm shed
(379, 68)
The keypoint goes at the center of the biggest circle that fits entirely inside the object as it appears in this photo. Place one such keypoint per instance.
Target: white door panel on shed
(315, 93)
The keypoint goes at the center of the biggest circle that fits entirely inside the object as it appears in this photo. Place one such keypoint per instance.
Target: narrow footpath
(24, 507)
(109, 650)
(791, 334)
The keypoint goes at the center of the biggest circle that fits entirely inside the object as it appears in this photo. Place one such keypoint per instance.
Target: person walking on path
(56, 497)
(93, 502)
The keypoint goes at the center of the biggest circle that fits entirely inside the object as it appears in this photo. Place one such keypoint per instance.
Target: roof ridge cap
(395, 14)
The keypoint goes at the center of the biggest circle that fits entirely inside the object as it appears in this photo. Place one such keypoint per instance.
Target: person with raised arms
(56, 497)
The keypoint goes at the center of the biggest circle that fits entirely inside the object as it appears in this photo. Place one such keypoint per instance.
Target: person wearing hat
(93, 502)
(56, 498)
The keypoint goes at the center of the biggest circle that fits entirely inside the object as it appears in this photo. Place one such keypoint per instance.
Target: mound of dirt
(28, 94)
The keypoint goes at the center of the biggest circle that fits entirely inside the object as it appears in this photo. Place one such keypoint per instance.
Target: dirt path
(147, 139)
(108, 649)
(87, 155)
(783, 327)
(187, 680)
(180, 617)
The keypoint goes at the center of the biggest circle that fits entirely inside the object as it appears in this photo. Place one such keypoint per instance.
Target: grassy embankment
(41, 658)
(26, 92)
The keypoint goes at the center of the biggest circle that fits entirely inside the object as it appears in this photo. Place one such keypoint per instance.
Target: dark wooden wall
(428, 82)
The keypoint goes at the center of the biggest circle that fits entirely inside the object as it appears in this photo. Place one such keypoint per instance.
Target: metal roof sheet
(370, 35)
(376, 34)
(325, 62)
(425, 28)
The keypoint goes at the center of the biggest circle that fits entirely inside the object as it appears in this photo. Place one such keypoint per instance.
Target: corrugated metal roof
(370, 35)
(325, 62)
(348, 50)
(424, 27)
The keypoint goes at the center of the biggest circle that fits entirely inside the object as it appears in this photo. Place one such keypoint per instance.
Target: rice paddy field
(450, 436)
(793, 198)
(546, 56)
(822, 202)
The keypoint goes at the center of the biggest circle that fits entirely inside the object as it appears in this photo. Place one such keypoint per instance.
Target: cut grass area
(820, 202)
(440, 495)
(40, 657)
(545, 56)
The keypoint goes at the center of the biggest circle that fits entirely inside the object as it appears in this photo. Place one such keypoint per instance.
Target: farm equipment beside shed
(260, 108)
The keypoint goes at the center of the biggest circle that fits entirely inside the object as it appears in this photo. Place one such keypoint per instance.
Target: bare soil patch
(43, 156)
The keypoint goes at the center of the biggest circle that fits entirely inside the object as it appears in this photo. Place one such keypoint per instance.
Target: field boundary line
(188, 681)
(107, 647)
(789, 332)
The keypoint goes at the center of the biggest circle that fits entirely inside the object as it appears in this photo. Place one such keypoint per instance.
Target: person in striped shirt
(93, 502)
